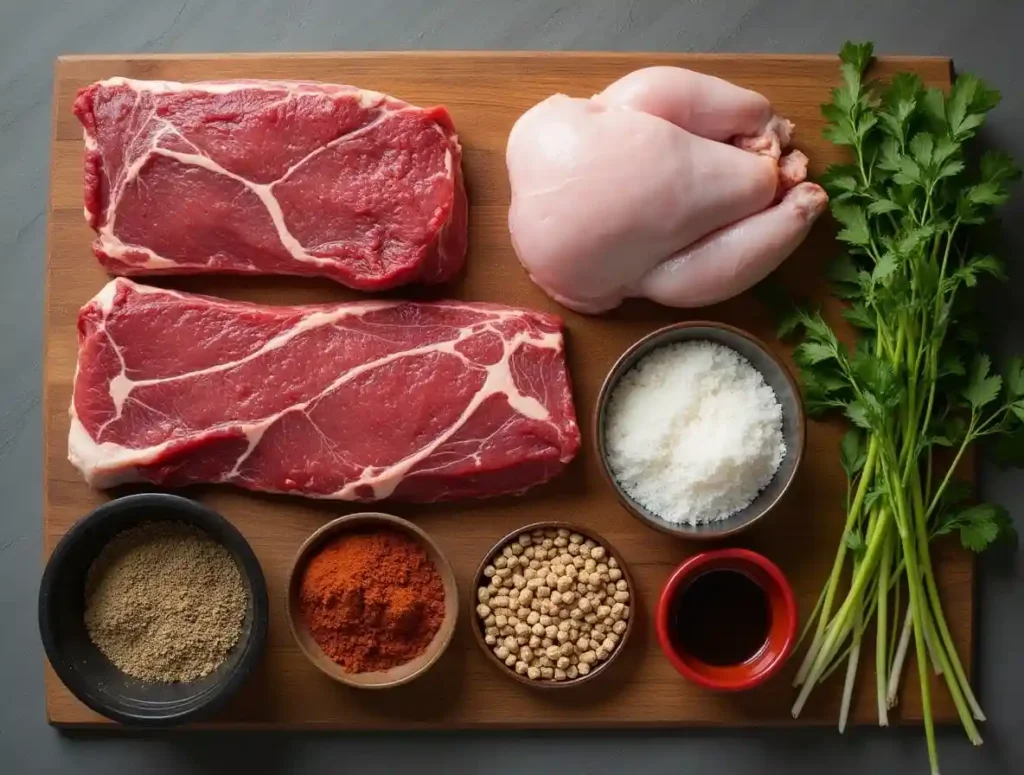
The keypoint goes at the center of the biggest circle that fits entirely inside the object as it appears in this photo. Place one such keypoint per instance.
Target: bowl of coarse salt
(700, 429)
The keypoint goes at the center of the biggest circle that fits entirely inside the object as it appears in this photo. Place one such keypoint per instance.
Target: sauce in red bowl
(727, 619)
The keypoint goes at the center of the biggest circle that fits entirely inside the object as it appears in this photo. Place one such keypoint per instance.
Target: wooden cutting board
(486, 92)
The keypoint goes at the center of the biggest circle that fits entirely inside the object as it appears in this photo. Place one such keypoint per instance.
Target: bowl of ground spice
(372, 601)
(153, 610)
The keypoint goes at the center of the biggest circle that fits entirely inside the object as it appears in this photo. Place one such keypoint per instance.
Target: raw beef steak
(271, 177)
(359, 401)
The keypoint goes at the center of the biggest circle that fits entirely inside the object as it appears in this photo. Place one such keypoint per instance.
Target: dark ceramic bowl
(90, 676)
(776, 375)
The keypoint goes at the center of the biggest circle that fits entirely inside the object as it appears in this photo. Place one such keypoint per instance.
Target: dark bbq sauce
(722, 618)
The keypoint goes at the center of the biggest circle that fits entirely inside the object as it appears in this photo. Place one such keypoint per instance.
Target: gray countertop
(982, 36)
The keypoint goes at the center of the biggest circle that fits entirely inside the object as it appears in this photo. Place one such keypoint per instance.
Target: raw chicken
(670, 185)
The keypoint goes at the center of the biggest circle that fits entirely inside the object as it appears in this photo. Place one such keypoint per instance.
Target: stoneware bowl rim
(586, 532)
(666, 336)
(779, 643)
(116, 515)
(400, 674)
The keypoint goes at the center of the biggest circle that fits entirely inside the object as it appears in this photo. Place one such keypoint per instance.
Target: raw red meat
(359, 401)
(271, 177)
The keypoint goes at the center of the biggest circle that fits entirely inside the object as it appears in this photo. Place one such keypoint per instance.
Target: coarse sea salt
(693, 432)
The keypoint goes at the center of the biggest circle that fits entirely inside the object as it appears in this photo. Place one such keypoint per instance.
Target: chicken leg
(738, 256)
(699, 103)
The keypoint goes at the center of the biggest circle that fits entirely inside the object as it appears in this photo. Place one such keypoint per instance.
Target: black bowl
(90, 676)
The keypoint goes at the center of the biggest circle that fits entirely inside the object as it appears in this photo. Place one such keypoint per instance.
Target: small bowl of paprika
(372, 601)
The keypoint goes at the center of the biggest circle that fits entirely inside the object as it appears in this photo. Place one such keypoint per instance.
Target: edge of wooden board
(570, 725)
(482, 54)
(45, 394)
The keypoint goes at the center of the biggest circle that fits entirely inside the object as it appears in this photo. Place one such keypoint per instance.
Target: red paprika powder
(372, 600)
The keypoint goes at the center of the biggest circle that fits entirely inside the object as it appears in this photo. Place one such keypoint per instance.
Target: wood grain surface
(486, 93)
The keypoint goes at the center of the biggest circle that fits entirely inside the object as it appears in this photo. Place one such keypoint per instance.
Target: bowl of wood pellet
(153, 610)
(552, 605)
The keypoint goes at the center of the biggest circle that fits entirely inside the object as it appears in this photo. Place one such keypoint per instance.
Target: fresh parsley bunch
(911, 206)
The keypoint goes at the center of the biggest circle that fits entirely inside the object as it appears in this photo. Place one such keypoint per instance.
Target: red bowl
(781, 634)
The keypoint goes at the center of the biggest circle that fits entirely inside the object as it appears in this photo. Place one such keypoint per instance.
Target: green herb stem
(908, 206)
(832, 585)
(842, 623)
(917, 604)
(881, 639)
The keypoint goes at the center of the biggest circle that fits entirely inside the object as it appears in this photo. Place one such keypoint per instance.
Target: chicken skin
(670, 185)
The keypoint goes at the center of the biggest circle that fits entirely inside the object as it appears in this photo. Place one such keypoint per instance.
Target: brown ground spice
(164, 602)
(372, 600)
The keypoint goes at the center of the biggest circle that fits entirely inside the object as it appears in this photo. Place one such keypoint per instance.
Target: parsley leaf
(855, 543)
(883, 206)
(951, 365)
(810, 353)
(859, 55)
(852, 217)
(979, 526)
(875, 495)
(858, 314)
(886, 266)
(989, 265)
(1014, 377)
(1017, 407)
(978, 265)
(981, 388)
(921, 147)
(853, 453)
(933, 105)
(976, 536)
(969, 100)
(997, 167)
(987, 192)
(858, 414)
